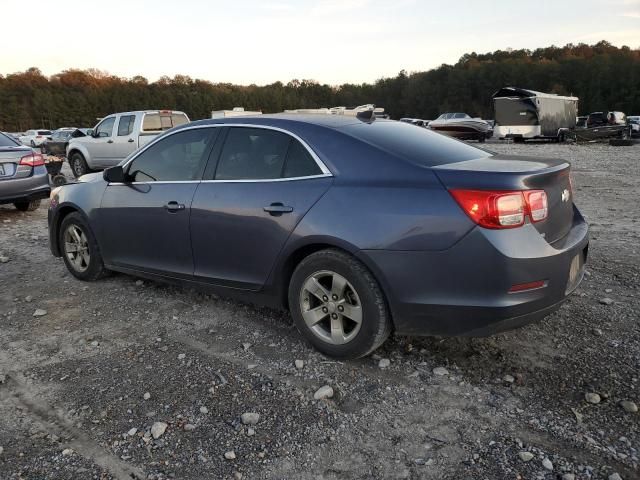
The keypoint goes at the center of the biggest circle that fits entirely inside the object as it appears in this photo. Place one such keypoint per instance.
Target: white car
(34, 138)
(634, 123)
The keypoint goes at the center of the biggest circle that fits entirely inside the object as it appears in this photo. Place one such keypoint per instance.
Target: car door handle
(131, 140)
(277, 209)
(173, 207)
(109, 141)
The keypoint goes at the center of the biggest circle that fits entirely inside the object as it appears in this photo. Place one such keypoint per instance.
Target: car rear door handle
(276, 209)
(131, 140)
(109, 141)
(173, 207)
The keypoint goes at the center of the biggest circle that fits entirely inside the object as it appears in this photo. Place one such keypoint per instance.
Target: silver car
(23, 175)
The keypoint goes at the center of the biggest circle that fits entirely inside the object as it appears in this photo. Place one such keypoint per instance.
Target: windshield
(7, 141)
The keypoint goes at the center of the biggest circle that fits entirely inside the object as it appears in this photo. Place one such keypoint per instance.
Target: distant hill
(603, 76)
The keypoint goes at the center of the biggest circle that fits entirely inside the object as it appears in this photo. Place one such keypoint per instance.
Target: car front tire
(27, 206)
(78, 165)
(79, 248)
(338, 306)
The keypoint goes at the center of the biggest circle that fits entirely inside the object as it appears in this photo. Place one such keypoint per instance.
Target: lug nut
(325, 298)
(334, 296)
(334, 315)
(341, 308)
(325, 309)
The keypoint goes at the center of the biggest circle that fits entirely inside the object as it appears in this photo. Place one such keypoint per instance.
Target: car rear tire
(79, 249)
(78, 165)
(338, 306)
(27, 206)
(33, 144)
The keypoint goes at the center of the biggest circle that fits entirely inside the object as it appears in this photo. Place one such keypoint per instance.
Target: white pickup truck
(118, 135)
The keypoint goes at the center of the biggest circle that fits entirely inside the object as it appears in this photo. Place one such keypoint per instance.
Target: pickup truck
(118, 135)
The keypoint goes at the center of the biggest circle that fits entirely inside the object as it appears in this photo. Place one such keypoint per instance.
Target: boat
(461, 126)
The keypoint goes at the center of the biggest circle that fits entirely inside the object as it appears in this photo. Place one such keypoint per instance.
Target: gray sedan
(23, 176)
(359, 226)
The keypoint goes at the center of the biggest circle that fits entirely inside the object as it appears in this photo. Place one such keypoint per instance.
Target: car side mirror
(114, 174)
(90, 132)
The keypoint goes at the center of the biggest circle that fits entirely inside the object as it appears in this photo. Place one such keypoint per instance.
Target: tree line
(603, 76)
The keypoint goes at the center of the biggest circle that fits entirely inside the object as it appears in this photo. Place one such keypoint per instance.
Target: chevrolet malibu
(359, 227)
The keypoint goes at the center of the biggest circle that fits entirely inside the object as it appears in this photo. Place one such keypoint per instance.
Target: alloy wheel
(77, 167)
(331, 307)
(76, 248)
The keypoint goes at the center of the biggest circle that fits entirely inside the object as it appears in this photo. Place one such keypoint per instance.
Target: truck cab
(116, 136)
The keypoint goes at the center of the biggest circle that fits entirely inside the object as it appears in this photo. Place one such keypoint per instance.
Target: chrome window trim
(323, 168)
(257, 180)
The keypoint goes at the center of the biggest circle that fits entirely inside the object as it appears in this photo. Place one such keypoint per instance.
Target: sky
(260, 42)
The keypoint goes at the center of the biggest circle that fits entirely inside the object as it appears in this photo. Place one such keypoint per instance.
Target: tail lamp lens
(32, 160)
(537, 203)
(500, 209)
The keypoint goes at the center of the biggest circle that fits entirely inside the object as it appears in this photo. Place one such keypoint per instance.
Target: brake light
(500, 209)
(32, 160)
(537, 203)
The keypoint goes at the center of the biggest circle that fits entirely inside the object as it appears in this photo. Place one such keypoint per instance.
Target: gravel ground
(129, 379)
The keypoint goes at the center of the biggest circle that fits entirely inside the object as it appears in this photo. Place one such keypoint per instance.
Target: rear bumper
(30, 188)
(465, 290)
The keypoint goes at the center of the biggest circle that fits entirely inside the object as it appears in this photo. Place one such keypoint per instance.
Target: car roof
(292, 119)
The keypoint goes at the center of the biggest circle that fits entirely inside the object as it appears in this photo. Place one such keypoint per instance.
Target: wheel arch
(62, 212)
(298, 253)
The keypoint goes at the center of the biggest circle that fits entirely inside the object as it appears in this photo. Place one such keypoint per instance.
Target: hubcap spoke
(352, 312)
(76, 248)
(313, 316)
(314, 287)
(337, 330)
(338, 285)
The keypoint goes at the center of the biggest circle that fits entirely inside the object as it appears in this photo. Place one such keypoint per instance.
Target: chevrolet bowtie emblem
(565, 195)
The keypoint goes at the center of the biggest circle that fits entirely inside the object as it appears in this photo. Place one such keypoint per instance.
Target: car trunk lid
(507, 172)
(10, 167)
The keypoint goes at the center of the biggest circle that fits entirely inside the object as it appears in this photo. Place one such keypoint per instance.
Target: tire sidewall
(373, 311)
(78, 159)
(96, 266)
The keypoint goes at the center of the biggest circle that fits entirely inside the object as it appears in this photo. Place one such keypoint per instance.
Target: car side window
(299, 162)
(125, 125)
(252, 154)
(178, 157)
(105, 128)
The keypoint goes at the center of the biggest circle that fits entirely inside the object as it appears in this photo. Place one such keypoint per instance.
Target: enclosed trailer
(526, 114)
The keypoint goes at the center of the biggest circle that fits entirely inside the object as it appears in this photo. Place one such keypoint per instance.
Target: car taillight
(500, 209)
(537, 204)
(32, 160)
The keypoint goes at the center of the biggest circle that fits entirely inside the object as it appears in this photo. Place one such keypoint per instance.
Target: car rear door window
(178, 157)
(6, 141)
(252, 154)
(125, 125)
(299, 162)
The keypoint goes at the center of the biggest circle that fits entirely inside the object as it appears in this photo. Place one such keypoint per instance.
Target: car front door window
(178, 157)
(105, 128)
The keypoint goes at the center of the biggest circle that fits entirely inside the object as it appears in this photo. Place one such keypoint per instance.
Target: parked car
(34, 138)
(603, 125)
(118, 135)
(418, 122)
(634, 123)
(23, 175)
(59, 140)
(358, 226)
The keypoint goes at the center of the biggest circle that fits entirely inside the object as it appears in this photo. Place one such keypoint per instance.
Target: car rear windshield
(416, 144)
(44, 132)
(6, 141)
(163, 121)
